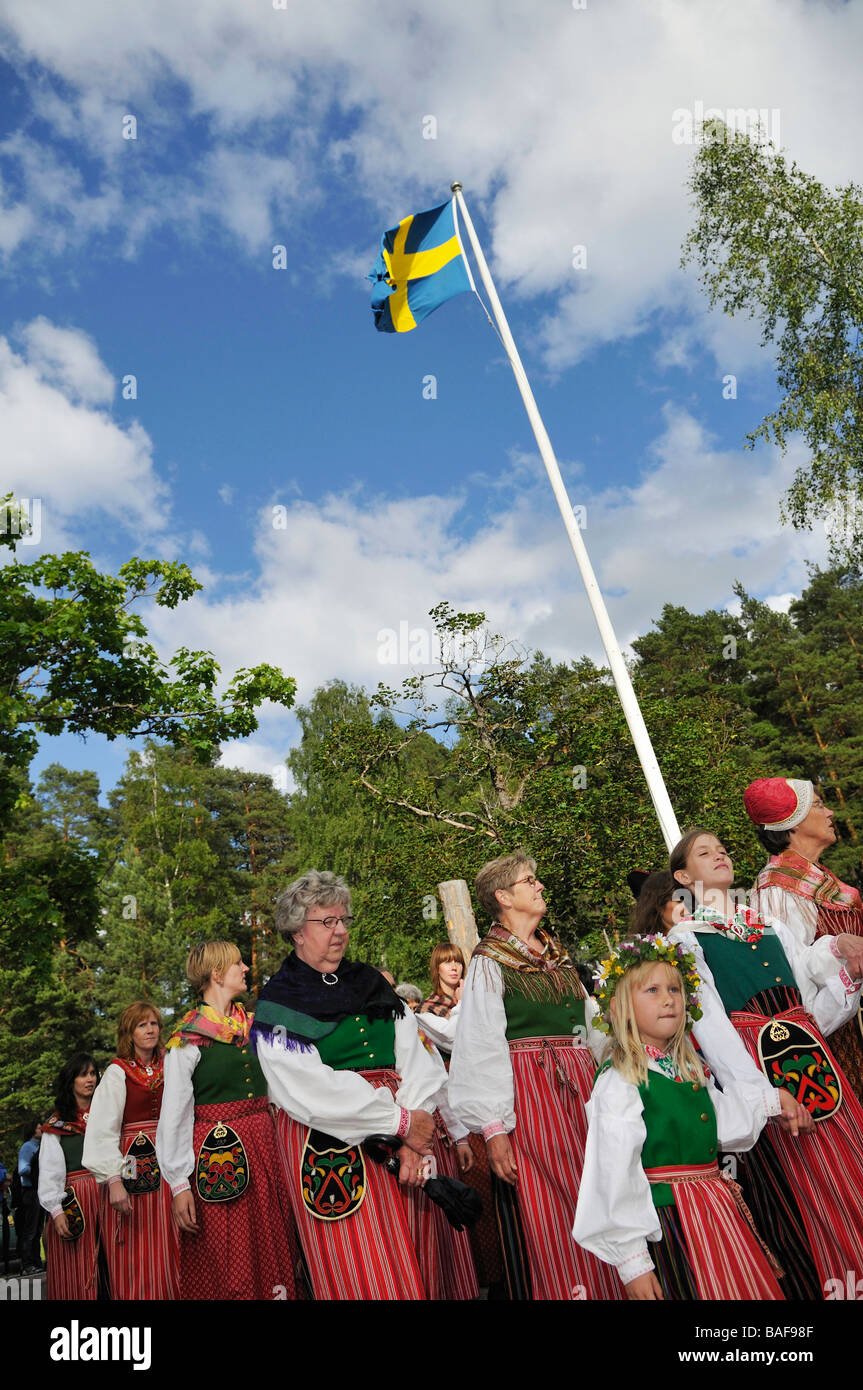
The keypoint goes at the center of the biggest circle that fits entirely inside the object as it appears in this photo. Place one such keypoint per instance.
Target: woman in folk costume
(761, 989)
(344, 1061)
(217, 1144)
(652, 1201)
(140, 1237)
(66, 1190)
(437, 1019)
(795, 827)
(521, 1071)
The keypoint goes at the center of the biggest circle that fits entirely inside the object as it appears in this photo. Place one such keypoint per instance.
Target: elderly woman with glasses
(344, 1061)
(521, 1072)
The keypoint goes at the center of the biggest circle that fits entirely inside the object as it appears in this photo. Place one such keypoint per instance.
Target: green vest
(743, 969)
(73, 1151)
(532, 1018)
(359, 1043)
(681, 1128)
(227, 1073)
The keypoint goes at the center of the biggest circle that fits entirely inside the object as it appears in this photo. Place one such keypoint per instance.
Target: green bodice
(532, 1018)
(358, 1043)
(227, 1073)
(681, 1128)
(73, 1151)
(741, 970)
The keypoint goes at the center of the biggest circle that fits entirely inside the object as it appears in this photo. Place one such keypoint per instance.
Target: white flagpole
(631, 708)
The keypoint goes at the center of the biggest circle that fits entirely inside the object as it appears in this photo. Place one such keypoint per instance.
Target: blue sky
(259, 388)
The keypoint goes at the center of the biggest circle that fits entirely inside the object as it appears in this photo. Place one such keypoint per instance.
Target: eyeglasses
(331, 922)
(528, 878)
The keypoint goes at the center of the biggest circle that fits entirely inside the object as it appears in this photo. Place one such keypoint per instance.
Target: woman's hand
(645, 1287)
(457, 993)
(464, 1154)
(851, 947)
(61, 1226)
(410, 1167)
(795, 1117)
(184, 1213)
(502, 1158)
(119, 1197)
(421, 1133)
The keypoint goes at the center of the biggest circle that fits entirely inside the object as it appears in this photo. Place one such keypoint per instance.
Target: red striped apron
(726, 1257)
(387, 1249)
(141, 1249)
(552, 1081)
(73, 1264)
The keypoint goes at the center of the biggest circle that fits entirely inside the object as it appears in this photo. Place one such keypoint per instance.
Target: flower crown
(635, 952)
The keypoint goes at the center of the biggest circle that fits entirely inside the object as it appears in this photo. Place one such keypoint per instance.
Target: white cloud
(343, 570)
(557, 120)
(60, 446)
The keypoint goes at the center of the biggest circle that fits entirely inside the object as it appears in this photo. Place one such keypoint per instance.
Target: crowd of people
(680, 1129)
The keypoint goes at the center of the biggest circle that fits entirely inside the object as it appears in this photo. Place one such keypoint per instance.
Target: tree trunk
(458, 912)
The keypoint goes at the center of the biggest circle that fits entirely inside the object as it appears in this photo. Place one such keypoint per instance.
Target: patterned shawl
(136, 1071)
(437, 1004)
(204, 1025)
(795, 874)
(546, 976)
(55, 1125)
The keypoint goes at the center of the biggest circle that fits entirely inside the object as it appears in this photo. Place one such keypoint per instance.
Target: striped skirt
(246, 1248)
(73, 1265)
(553, 1081)
(458, 1273)
(824, 1169)
(385, 1250)
(711, 1251)
(141, 1249)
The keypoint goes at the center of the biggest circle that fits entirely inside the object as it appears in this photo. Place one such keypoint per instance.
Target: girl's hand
(119, 1197)
(502, 1159)
(645, 1287)
(795, 1117)
(457, 992)
(61, 1226)
(464, 1154)
(184, 1213)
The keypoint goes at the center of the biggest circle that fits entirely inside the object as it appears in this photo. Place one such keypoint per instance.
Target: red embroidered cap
(778, 803)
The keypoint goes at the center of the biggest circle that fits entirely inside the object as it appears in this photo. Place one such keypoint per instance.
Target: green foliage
(773, 242)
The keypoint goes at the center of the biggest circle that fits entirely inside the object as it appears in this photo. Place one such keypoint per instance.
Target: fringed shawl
(547, 976)
(795, 874)
(297, 1006)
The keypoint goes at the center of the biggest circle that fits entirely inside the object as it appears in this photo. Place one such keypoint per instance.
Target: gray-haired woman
(343, 1060)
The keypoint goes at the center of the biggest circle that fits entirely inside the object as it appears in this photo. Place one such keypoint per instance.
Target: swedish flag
(421, 265)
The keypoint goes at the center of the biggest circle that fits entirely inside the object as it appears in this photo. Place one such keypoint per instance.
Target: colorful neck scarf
(795, 874)
(745, 925)
(663, 1062)
(204, 1025)
(542, 976)
(61, 1127)
(148, 1075)
(437, 1004)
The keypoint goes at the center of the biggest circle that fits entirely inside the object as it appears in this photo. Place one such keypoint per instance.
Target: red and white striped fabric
(725, 1257)
(387, 1249)
(458, 1272)
(141, 1249)
(824, 1168)
(73, 1271)
(553, 1081)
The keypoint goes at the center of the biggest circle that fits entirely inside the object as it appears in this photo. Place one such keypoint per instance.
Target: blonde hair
(128, 1022)
(210, 957)
(498, 875)
(627, 1049)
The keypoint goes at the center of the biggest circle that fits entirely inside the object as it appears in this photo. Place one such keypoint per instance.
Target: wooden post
(458, 912)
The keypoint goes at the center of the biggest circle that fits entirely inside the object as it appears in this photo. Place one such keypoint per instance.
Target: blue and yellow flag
(421, 265)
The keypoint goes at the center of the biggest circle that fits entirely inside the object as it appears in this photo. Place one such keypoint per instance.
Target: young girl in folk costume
(66, 1190)
(763, 990)
(119, 1149)
(796, 828)
(217, 1144)
(652, 1201)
